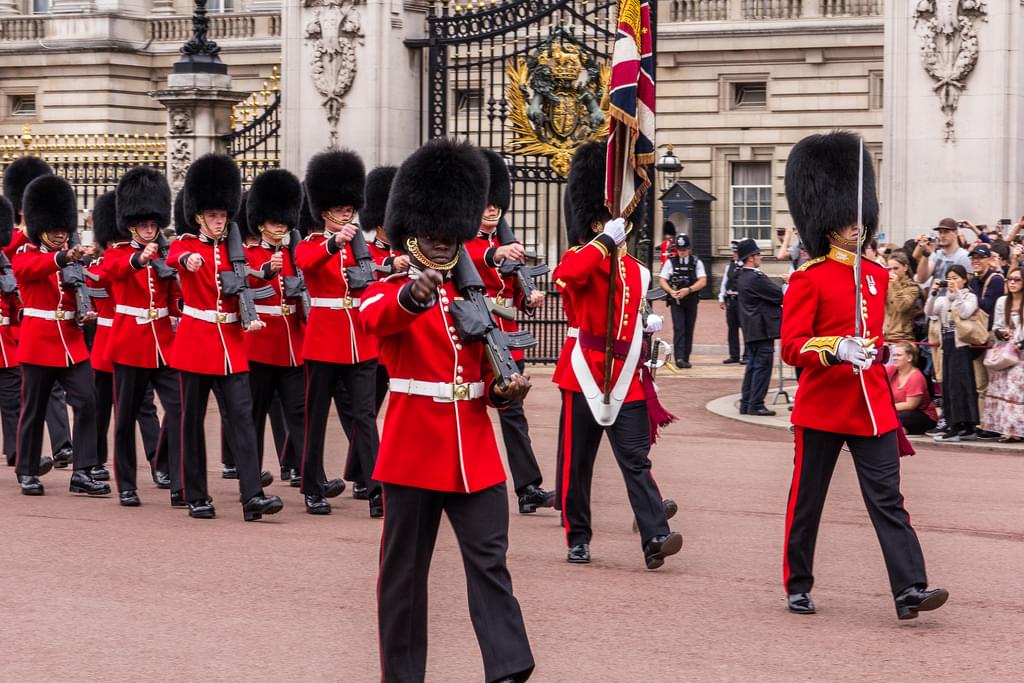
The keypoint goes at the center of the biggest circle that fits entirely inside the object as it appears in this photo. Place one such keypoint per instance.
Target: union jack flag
(631, 130)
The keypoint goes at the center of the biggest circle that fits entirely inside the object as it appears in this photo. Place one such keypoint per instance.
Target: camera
(780, 232)
(932, 239)
(943, 283)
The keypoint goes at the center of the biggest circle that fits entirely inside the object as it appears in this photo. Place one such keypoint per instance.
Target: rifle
(163, 271)
(474, 321)
(525, 275)
(8, 285)
(656, 348)
(236, 280)
(360, 275)
(73, 278)
(294, 286)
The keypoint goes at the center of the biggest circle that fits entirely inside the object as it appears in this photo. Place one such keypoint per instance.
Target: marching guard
(438, 454)
(10, 373)
(583, 276)
(844, 397)
(209, 347)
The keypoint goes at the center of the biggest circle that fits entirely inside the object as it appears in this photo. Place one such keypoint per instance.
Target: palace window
(751, 200)
(220, 5)
(23, 105)
(468, 99)
(750, 95)
(40, 6)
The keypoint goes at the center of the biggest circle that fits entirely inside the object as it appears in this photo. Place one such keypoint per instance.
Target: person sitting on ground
(1004, 402)
(910, 390)
(902, 300)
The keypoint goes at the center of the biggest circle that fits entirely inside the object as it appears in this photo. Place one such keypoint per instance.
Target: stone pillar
(9, 7)
(198, 114)
(957, 150)
(348, 80)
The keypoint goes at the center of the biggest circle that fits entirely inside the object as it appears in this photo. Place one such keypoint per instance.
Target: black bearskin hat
(213, 181)
(242, 215)
(499, 193)
(6, 222)
(334, 178)
(49, 204)
(275, 195)
(105, 216)
(441, 188)
(821, 188)
(18, 174)
(181, 226)
(586, 192)
(378, 187)
(142, 194)
(307, 223)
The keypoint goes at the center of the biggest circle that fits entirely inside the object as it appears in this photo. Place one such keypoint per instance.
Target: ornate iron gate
(255, 130)
(524, 78)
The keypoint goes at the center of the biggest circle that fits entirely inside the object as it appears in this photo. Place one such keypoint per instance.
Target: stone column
(957, 150)
(9, 7)
(348, 80)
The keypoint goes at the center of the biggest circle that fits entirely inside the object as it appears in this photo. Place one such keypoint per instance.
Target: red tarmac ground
(91, 591)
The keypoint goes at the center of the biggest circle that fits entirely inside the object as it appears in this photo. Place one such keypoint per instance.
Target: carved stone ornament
(181, 122)
(949, 48)
(334, 33)
(557, 100)
(180, 158)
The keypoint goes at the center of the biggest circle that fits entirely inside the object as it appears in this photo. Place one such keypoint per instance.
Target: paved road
(95, 592)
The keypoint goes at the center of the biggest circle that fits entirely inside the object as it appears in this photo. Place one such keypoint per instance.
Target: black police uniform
(732, 309)
(760, 303)
(684, 311)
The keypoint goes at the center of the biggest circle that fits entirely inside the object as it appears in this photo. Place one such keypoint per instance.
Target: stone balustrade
(21, 28)
(726, 10)
(158, 29)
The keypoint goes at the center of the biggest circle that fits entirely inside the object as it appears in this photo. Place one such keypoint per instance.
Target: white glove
(616, 229)
(853, 351)
(654, 323)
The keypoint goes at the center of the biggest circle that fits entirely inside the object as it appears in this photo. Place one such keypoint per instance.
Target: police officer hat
(275, 195)
(746, 248)
(499, 192)
(682, 241)
(18, 174)
(142, 195)
(440, 188)
(378, 187)
(105, 219)
(212, 183)
(586, 192)
(734, 244)
(334, 178)
(6, 222)
(49, 204)
(821, 188)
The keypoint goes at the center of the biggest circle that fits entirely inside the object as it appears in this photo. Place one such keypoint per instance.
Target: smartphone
(942, 283)
(1004, 221)
(780, 232)
(933, 239)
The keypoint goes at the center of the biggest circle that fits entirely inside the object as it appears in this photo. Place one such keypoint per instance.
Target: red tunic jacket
(280, 342)
(505, 290)
(138, 341)
(58, 342)
(564, 364)
(207, 348)
(442, 446)
(18, 238)
(333, 335)
(817, 313)
(583, 274)
(381, 252)
(9, 307)
(104, 307)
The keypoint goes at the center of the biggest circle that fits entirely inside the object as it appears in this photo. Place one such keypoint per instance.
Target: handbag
(1002, 356)
(972, 330)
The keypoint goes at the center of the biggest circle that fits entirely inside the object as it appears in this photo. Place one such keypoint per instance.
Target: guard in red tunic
(52, 346)
(144, 289)
(438, 454)
(10, 373)
(336, 348)
(844, 398)
(275, 354)
(209, 346)
(583, 275)
(488, 254)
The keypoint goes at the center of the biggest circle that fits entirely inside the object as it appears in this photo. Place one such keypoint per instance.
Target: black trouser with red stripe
(10, 406)
(515, 432)
(131, 387)
(151, 429)
(877, 461)
(630, 438)
(104, 382)
(286, 454)
(480, 522)
(288, 383)
(240, 433)
(321, 380)
(57, 420)
(36, 385)
(353, 470)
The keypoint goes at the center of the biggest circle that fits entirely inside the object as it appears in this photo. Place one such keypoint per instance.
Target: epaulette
(394, 276)
(28, 246)
(188, 236)
(812, 262)
(312, 235)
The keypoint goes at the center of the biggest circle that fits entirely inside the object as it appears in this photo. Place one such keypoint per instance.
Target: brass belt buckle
(286, 309)
(460, 392)
(152, 313)
(346, 302)
(222, 317)
(58, 315)
(500, 300)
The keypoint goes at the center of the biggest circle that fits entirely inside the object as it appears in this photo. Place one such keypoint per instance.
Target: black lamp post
(200, 54)
(669, 167)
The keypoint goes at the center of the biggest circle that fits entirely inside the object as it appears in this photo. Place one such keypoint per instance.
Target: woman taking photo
(959, 392)
(901, 300)
(910, 390)
(1004, 403)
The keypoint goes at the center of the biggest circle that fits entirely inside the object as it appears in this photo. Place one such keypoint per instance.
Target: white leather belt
(442, 392)
(105, 322)
(5, 321)
(573, 332)
(48, 315)
(142, 315)
(501, 300)
(283, 309)
(210, 316)
(338, 303)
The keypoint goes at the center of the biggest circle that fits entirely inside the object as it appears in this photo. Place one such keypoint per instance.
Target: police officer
(760, 303)
(728, 299)
(682, 276)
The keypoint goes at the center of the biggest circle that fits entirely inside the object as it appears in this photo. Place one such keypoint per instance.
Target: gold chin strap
(135, 236)
(413, 247)
(849, 245)
(44, 238)
(335, 219)
(263, 230)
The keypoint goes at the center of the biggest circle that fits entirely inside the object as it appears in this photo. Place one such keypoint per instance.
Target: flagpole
(613, 270)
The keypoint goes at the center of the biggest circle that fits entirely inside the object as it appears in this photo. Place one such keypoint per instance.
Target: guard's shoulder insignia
(395, 276)
(812, 262)
(576, 248)
(188, 236)
(26, 248)
(310, 236)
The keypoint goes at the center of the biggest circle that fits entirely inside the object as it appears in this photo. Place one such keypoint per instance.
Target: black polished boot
(229, 472)
(292, 476)
(800, 603)
(266, 478)
(579, 554)
(660, 547)
(30, 486)
(359, 491)
(45, 465)
(81, 482)
(919, 599)
(201, 509)
(61, 459)
(377, 506)
(533, 497)
(178, 499)
(129, 499)
(100, 473)
(334, 488)
(257, 506)
(670, 507)
(160, 478)
(317, 505)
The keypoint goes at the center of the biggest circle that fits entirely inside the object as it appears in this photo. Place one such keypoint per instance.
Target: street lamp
(200, 54)
(669, 167)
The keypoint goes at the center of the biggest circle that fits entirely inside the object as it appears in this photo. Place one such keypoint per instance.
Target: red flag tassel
(657, 415)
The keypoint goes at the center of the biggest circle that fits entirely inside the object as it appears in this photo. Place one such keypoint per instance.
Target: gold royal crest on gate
(558, 100)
